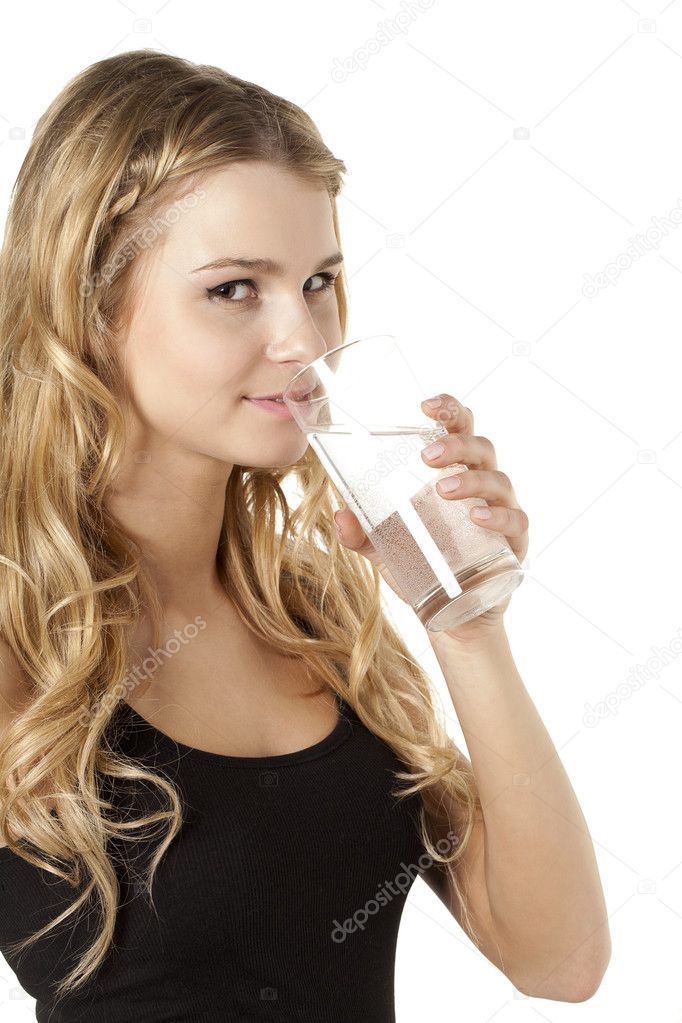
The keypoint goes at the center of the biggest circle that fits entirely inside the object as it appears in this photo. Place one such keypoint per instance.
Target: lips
(296, 395)
(272, 407)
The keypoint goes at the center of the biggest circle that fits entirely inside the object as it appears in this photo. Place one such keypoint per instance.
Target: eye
(327, 279)
(221, 291)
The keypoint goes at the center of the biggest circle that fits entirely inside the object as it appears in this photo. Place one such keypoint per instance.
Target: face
(200, 340)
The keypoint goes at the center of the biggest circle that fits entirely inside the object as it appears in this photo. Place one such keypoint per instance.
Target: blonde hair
(120, 142)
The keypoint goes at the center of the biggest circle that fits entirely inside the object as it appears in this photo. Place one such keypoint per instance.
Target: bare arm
(535, 887)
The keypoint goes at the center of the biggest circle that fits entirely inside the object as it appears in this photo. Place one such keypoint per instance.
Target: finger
(507, 521)
(351, 532)
(494, 486)
(452, 414)
(477, 452)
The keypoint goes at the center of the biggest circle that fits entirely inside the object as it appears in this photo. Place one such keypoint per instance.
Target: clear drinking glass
(363, 418)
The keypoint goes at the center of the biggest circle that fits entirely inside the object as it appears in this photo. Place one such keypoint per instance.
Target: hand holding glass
(363, 418)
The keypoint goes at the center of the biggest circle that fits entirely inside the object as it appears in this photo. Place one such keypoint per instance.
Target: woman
(183, 649)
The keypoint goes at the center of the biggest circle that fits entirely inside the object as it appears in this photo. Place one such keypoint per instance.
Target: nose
(298, 339)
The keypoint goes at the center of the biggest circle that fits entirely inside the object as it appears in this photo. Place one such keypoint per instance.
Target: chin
(272, 452)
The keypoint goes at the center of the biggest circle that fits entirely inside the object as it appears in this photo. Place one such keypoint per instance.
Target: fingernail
(433, 402)
(433, 450)
(481, 512)
(449, 484)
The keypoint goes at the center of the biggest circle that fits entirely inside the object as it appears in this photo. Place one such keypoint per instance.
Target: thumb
(350, 532)
(352, 535)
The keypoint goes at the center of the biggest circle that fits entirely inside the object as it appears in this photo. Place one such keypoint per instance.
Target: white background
(498, 153)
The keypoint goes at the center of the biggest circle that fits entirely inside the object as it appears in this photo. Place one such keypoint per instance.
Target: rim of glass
(344, 346)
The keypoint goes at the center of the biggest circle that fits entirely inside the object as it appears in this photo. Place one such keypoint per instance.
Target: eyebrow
(264, 266)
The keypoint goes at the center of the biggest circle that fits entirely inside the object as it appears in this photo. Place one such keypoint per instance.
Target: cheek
(329, 324)
(185, 375)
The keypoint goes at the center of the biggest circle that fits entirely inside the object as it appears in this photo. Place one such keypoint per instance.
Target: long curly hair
(119, 144)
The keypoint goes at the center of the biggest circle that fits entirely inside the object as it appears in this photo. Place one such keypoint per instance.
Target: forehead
(256, 208)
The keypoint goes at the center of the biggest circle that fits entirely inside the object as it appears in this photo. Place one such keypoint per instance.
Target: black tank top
(279, 899)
